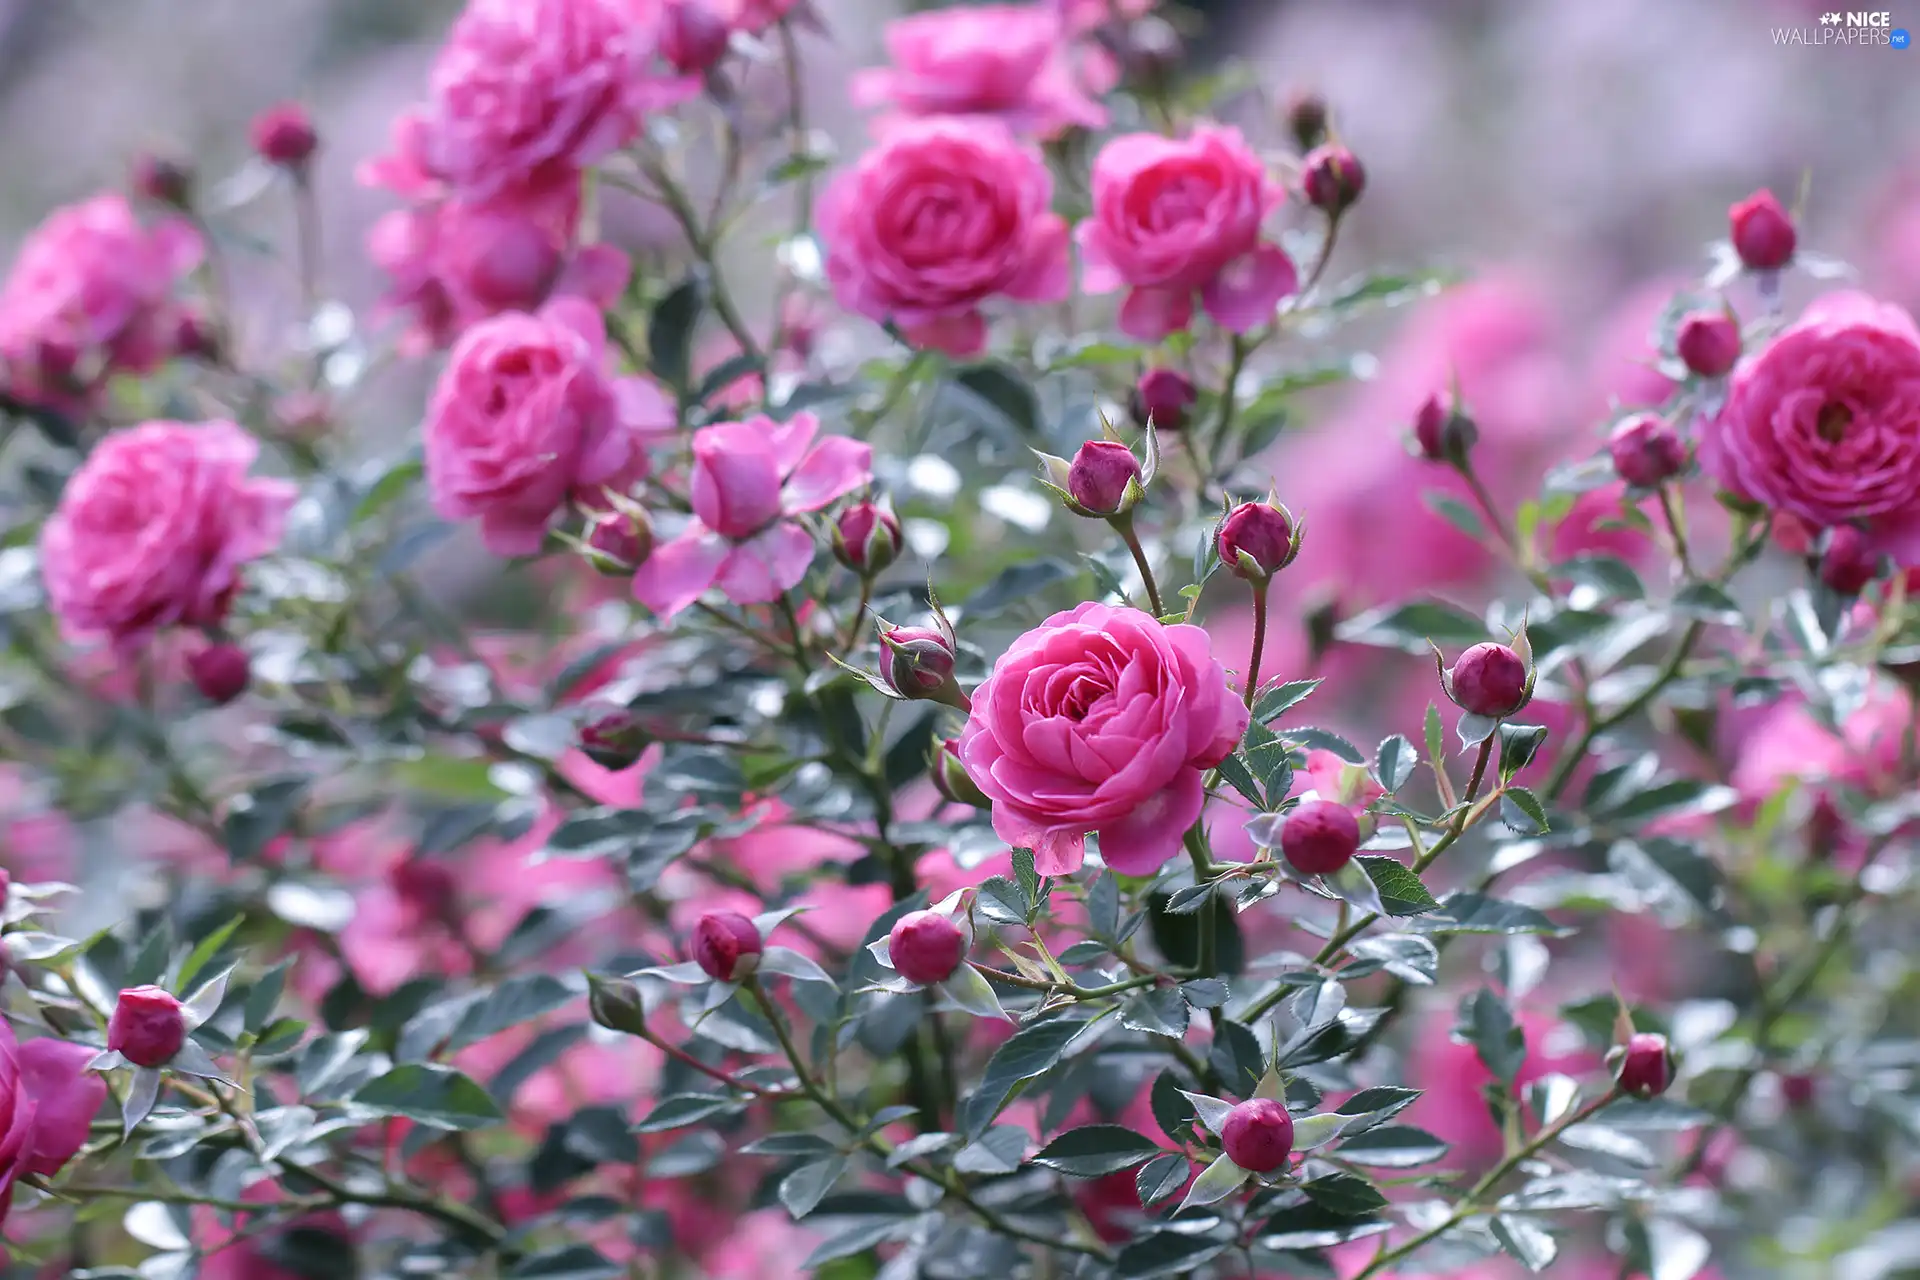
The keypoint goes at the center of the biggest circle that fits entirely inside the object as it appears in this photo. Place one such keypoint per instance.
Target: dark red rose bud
(426, 889)
(1319, 837)
(692, 36)
(1646, 1068)
(1307, 120)
(148, 1026)
(1101, 471)
(726, 946)
(619, 542)
(1708, 342)
(1333, 178)
(283, 134)
(867, 538)
(220, 672)
(614, 741)
(951, 779)
(1258, 1135)
(1646, 451)
(196, 337)
(1260, 532)
(1489, 680)
(1850, 561)
(1826, 827)
(1763, 233)
(1162, 397)
(926, 947)
(163, 180)
(916, 662)
(1443, 432)
(1798, 1089)
(1151, 51)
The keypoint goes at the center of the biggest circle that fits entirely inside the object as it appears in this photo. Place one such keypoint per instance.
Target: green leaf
(1095, 1150)
(435, 1096)
(858, 1239)
(670, 332)
(1278, 699)
(998, 1150)
(249, 829)
(806, 1186)
(1007, 393)
(1456, 513)
(1166, 1253)
(1237, 1057)
(1609, 575)
(1525, 1240)
(205, 950)
(1159, 1011)
(1016, 584)
(1476, 913)
(1487, 1025)
(1707, 603)
(729, 371)
(1401, 892)
(1522, 811)
(1031, 1051)
(1518, 745)
(1410, 626)
(1344, 1194)
(1393, 1146)
(1171, 1110)
(1327, 740)
(1393, 763)
(1023, 872)
(512, 1003)
(1160, 1177)
(382, 493)
(568, 1262)
(1388, 289)
(1241, 779)
(677, 1111)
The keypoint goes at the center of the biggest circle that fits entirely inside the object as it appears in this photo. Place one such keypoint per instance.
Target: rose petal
(1247, 291)
(679, 571)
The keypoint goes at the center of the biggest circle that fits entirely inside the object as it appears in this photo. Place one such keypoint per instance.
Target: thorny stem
(1259, 641)
(677, 203)
(1325, 256)
(1229, 402)
(1070, 988)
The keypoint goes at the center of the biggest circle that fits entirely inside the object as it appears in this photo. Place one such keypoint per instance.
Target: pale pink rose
(48, 1100)
(453, 263)
(153, 528)
(1007, 61)
(532, 91)
(90, 295)
(1101, 720)
(750, 479)
(1825, 423)
(938, 218)
(1173, 217)
(767, 1245)
(526, 416)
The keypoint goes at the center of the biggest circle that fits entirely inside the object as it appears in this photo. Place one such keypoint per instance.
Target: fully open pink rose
(48, 1099)
(526, 416)
(1008, 61)
(1825, 423)
(527, 91)
(1101, 720)
(153, 528)
(1173, 217)
(939, 217)
(91, 294)
(749, 480)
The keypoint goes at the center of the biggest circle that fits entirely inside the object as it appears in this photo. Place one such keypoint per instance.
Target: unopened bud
(1442, 432)
(148, 1026)
(951, 779)
(1101, 472)
(1319, 837)
(1258, 1135)
(1333, 178)
(1849, 561)
(1489, 680)
(692, 36)
(926, 947)
(615, 1004)
(916, 662)
(1307, 120)
(1762, 231)
(618, 542)
(614, 741)
(163, 180)
(220, 672)
(1708, 343)
(726, 946)
(1257, 540)
(1646, 451)
(1162, 398)
(867, 538)
(284, 135)
(1645, 1069)
(1151, 51)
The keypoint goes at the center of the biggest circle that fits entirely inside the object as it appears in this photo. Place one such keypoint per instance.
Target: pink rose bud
(427, 890)
(867, 538)
(1490, 680)
(726, 946)
(1442, 432)
(1152, 50)
(1307, 120)
(163, 180)
(916, 662)
(1319, 837)
(1646, 1068)
(1333, 178)
(283, 134)
(1162, 397)
(1849, 561)
(1763, 234)
(1708, 342)
(196, 337)
(951, 779)
(1101, 471)
(1798, 1089)
(614, 741)
(220, 672)
(148, 1026)
(510, 263)
(620, 541)
(1258, 1135)
(926, 947)
(1257, 540)
(692, 36)
(1826, 828)
(1647, 451)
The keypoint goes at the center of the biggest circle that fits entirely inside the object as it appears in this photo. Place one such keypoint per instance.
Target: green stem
(1259, 641)
(1207, 961)
(1229, 403)
(1577, 748)
(1124, 524)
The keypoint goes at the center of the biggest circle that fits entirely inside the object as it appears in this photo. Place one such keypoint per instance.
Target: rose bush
(983, 737)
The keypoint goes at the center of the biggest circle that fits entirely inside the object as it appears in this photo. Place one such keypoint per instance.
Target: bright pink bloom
(153, 528)
(1825, 423)
(1173, 217)
(1452, 1075)
(91, 294)
(1008, 61)
(1087, 15)
(1791, 745)
(48, 1100)
(750, 479)
(1102, 720)
(529, 91)
(941, 216)
(526, 416)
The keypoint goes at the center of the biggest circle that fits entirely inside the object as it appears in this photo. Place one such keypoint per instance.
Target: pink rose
(1825, 423)
(527, 91)
(454, 263)
(526, 416)
(153, 528)
(939, 217)
(755, 16)
(1003, 60)
(48, 1100)
(1087, 15)
(1100, 719)
(1177, 216)
(749, 480)
(91, 294)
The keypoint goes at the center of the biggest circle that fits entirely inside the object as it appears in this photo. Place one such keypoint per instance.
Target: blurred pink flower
(767, 1245)
(48, 1100)
(1452, 1075)
(230, 1252)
